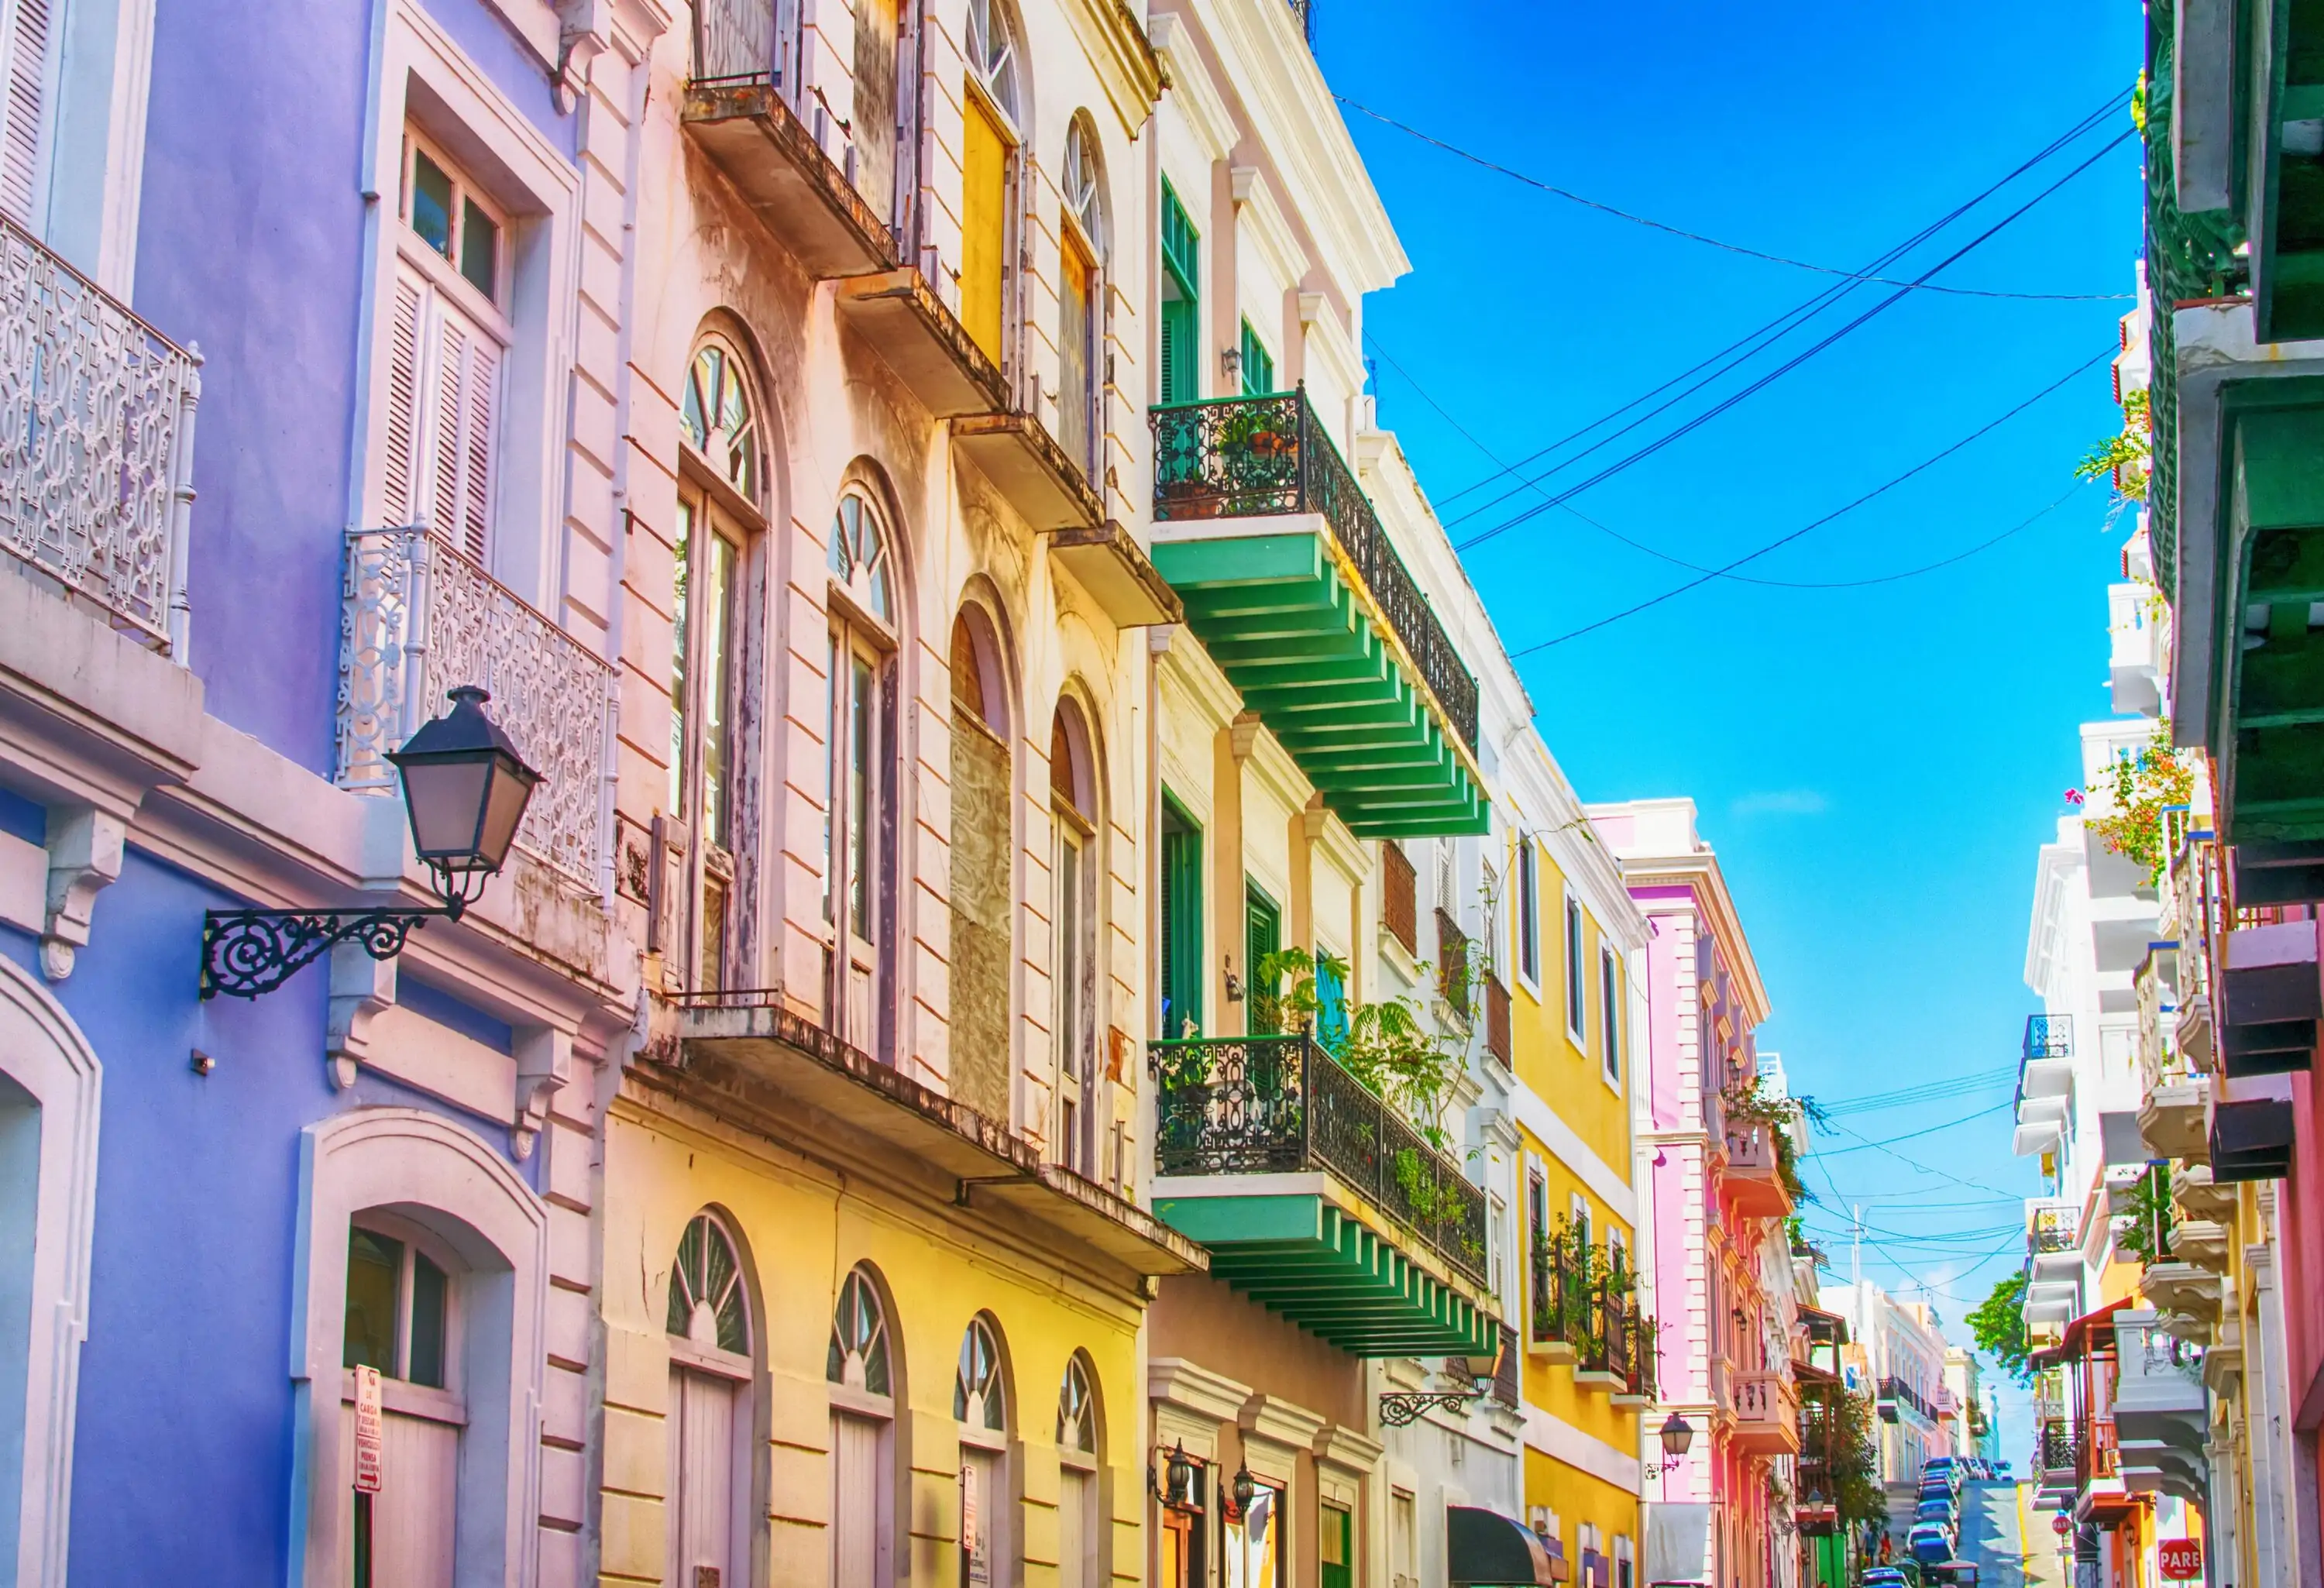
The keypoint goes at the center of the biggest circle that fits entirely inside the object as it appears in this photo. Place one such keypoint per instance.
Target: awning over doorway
(1485, 1549)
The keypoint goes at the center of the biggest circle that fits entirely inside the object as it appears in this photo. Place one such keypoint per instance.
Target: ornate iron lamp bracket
(1398, 1409)
(247, 953)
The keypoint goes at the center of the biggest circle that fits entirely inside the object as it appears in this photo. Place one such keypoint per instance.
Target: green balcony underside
(2272, 614)
(1302, 649)
(1317, 1265)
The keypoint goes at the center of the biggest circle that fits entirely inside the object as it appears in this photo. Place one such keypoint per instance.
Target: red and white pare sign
(371, 1437)
(2181, 1559)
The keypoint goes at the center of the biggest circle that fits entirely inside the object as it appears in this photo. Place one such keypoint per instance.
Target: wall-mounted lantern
(465, 788)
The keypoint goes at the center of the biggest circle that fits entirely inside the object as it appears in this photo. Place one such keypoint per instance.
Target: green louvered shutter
(1182, 275)
(1258, 364)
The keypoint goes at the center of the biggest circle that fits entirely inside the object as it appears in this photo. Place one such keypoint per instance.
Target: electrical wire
(1799, 313)
(1635, 219)
(1985, 545)
(1872, 1100)
(1877, 490)
(1927, 1130)
(2019, 527)
(1780, 369)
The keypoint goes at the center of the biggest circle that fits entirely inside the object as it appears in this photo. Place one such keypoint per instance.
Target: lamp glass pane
(503, 810)
(446, 798)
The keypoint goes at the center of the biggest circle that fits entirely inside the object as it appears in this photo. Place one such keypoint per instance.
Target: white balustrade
(419, 618)
(96, 444)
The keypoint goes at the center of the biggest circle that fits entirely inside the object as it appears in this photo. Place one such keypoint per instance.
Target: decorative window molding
(427, 82)
(50, 1091)
(431, 1172)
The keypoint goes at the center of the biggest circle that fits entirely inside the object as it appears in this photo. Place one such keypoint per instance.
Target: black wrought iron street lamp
(1245, 1489)
(1174, 1485)
(1677, 1436)
(465, 788)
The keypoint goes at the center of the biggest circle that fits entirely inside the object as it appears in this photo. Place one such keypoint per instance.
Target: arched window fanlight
(718, 420)
(993, 54)
(1078, 182)
(976, 1388)
(859, 555)
(706, 1304)
(1077, 1409)
(859, 1338)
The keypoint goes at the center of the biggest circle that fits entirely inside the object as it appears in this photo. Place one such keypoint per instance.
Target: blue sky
(1876, 766)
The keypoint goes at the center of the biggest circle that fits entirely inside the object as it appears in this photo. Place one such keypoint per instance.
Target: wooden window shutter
(477, 463)
(457, 456)
(399, 479)
(28, 28)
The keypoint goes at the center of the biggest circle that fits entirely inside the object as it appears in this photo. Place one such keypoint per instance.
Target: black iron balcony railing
(1303, 11)
(1582, 1302)
(2188, 256)
(1260, 457)
(2049, 1036)
(1896, 1391)
(2054, 1446)
(1260, 1105)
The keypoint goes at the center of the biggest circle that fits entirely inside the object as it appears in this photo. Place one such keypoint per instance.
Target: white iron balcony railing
(96, 444)
(420, 618)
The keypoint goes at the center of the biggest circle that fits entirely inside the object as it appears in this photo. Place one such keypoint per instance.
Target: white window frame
(44, 1054)
(88, 159)
(1609, 1017)
(427, 81)
(1577, 974)
(419, 1163)
(1525, 916)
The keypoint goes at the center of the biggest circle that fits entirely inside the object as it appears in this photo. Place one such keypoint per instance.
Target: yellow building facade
(1574, 937)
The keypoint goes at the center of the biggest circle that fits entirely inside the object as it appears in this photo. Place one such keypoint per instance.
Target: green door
(1262, 936)
(1182, 923)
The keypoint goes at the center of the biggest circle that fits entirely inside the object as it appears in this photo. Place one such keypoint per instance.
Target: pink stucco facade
(1724, 1353)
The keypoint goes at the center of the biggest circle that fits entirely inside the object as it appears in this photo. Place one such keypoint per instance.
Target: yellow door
(984, 159)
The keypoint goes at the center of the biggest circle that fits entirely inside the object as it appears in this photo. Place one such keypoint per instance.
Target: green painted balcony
(1316, 1199)
(1291, 583)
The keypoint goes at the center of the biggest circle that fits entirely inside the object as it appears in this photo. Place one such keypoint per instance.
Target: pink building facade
(1712, 1194)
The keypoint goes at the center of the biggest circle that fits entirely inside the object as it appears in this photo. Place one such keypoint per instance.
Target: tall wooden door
(984, 224)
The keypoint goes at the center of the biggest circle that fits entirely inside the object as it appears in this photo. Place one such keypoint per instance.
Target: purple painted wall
(251, 243)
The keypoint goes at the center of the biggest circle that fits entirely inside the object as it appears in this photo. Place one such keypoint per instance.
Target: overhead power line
(1877, 490)
(1602, 207)
(1780, 369)
(1753, 342)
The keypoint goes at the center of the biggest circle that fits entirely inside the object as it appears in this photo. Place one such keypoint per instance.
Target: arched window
(859, 891)
(708, 1425)
(863, 1436)
(1081, 300)
(1080, 1537)
(982, 966)
(1073, 804)
(992, 114)
(979, 1404)
(719, 481)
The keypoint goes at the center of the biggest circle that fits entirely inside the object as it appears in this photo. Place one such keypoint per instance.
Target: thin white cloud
(1783, 802)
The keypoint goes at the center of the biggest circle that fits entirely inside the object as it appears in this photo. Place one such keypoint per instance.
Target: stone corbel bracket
(85, 848)
(361, 988)
(544, 1063)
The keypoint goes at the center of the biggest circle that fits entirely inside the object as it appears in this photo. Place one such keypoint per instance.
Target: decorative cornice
(1126, 64)
(1273, 1420)
(1192, 89)
(1177, 1381)
(1346, 1449)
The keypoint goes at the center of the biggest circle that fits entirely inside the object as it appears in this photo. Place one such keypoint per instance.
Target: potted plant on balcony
(2142, 788)
(1757, 1105)
(1383, 1043)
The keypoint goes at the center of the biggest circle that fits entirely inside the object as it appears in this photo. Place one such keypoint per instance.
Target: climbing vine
(2125, 457)
(1384, 1043)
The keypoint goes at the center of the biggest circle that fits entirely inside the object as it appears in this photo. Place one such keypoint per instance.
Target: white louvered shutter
(456, 463)
(476, 453)
(30, 26)
(399, 475)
